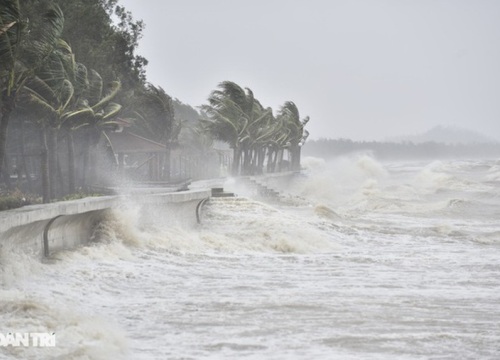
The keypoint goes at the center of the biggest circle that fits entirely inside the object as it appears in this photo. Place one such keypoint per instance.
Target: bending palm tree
(296, 135)
(95, 112)
(22, 51)
(51, 92)
(230, 111)
(158, 115)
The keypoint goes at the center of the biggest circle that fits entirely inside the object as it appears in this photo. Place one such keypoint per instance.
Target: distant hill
(446, 135)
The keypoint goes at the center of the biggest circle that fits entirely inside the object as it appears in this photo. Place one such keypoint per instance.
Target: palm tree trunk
(280, 160)
(247, 161)
(89, 166)
(6, 173)
(45, 166)
(4, 123)
(260, 161)
(52, 144)
(71, 162)
(86, 151)
(295, 162)
(278, 156)
(24, 164)
(236, 161)
(167, 172)
(60, 178)
(270, 152)
(253, 162)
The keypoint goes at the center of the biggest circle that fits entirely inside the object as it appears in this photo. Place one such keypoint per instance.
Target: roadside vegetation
(70, 74)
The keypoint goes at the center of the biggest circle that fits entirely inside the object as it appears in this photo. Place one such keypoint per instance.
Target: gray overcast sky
(361, 69)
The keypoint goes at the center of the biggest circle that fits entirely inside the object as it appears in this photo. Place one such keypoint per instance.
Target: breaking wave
(366, 231)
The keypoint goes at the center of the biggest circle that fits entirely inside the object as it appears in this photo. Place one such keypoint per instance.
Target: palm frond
(6, 27)
(77, 118)
(43, 106)
(111, 110)
(95, 88)
(114, 89)
(38, 88)
(67, 94)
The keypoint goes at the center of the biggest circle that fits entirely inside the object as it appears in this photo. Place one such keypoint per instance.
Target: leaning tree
(154, 109)
(24, 48)
(295, 132)
(230, 111)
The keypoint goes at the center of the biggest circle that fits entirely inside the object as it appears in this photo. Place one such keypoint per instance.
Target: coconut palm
(79, 78)
(52, 92)
(230, 111)
(277, 143)
(82, 107)
(155, 109)
(259, 132)
(23, 50)
(94, 112)
(294, 129)
(52, 107)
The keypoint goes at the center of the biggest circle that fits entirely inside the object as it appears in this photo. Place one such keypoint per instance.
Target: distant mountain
(446, 135)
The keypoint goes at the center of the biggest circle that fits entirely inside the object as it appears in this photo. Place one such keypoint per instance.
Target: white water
(365, 261)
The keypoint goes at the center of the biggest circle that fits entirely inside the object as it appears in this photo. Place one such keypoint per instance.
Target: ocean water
(358, 260)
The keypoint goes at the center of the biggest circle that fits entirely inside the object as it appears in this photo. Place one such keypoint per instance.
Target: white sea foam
(335, 182)
(382, 261)
(79, 335)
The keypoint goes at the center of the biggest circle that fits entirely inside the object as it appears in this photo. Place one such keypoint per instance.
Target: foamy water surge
(379, 261)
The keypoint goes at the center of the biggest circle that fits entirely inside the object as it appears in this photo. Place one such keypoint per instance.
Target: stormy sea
(355, 259)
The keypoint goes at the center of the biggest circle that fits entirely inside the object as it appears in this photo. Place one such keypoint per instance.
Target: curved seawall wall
(41, 230)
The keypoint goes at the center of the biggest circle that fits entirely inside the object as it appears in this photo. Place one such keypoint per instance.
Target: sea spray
(403, 271)
(256, 226)
(78, 335)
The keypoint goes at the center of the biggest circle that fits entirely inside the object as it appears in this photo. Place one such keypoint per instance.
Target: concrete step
(219, 192)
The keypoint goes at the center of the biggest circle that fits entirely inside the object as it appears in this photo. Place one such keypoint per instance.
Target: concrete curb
(41, 230)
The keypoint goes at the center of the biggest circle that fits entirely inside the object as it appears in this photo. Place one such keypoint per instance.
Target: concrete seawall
(41, 230)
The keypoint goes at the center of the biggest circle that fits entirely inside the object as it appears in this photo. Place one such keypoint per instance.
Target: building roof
(128, 143)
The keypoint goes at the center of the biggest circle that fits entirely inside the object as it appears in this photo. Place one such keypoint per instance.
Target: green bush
(79, 195)
(15, 199)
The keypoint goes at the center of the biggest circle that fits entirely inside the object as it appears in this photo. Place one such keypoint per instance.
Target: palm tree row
(41, 77)
(22, 53)
(68, 107)
(254, 133)
(43, 85)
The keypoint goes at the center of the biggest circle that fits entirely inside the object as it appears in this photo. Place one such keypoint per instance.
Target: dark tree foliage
(24, 48)
(107, 46)
(185, 112)
(34, 36)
